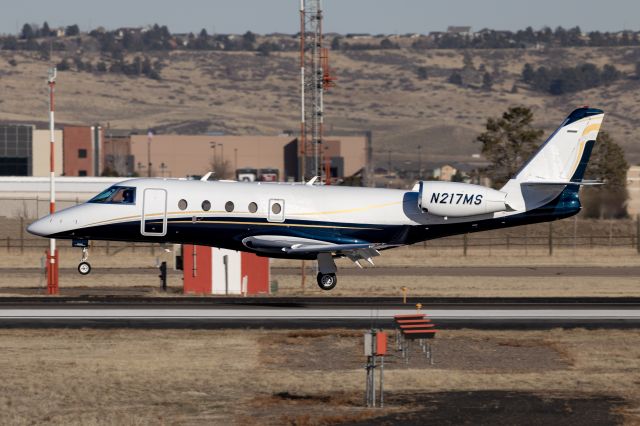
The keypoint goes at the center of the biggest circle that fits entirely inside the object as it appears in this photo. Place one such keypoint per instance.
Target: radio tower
(315, 78)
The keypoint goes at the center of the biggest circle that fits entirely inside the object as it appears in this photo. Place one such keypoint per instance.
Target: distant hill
(244, 92)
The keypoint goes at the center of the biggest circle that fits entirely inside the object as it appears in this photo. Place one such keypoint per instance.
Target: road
(273, 312)
(485, 271)
(433, 271)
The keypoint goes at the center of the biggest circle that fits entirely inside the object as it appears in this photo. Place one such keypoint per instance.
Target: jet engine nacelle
(455, 199)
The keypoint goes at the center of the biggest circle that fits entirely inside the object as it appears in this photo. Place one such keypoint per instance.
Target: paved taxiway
(434, 271)
(317, 312)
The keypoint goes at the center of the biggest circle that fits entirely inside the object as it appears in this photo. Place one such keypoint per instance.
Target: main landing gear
(84, 268)
(327, 269)
(327, 281)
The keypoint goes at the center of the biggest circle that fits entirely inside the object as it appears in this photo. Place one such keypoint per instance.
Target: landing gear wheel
(327, 281)
(84, 268)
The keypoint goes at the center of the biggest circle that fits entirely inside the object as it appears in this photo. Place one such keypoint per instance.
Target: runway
(485, 271)
(272, 312)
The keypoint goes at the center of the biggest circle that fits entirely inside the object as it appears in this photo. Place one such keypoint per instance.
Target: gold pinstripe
(357, 209)
(590, 128)
(228, 222)
(575, 164)
(292, 225)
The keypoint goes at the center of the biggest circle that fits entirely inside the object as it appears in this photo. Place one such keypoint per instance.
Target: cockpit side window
(116, 195)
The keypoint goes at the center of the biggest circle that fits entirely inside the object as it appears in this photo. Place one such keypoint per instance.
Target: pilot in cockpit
(127, 196)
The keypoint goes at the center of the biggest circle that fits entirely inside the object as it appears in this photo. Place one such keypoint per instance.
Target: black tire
(327, 281)
(84, 268)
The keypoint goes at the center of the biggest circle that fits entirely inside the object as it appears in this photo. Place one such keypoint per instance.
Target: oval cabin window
(276, 208)
(182, 204)
(253, 207)
(229, 206)
(206, 205)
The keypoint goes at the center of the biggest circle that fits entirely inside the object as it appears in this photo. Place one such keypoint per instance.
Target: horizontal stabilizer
(563, 182)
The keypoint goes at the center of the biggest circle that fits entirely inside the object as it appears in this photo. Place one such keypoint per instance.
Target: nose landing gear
(84, 268)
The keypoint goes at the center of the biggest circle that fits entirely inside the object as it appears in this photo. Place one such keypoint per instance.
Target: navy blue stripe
(584, 161)
(581, 113)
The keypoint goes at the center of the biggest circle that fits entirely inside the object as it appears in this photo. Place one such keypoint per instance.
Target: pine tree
(528, 73)
(455, 78)
(27, 32)
(487, 81)
(422, 73)
(508, 142)
(607, 164)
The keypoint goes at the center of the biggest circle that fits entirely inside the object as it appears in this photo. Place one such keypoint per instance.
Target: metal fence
(566, 234)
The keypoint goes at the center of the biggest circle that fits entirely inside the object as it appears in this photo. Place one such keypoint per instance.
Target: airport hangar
(96, 151)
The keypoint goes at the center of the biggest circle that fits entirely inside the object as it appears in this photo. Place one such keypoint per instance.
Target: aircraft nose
(41, 227)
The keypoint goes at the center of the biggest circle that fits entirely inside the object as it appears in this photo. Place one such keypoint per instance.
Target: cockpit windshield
(116, 195)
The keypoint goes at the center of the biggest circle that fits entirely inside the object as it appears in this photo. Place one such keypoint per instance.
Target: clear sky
(343, 16)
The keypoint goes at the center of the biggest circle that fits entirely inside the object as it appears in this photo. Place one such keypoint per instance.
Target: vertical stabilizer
(560, 161)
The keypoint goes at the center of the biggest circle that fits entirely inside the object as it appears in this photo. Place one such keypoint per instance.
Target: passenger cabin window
(206, 205)
(116, 195)
(182, 204)
(276, 208)
(253, 207)
(229, 206)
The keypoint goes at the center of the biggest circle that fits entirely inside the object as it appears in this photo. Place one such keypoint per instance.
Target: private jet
(322, 223)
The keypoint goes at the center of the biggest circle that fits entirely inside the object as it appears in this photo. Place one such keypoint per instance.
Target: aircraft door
(276, 210)
(154, 213)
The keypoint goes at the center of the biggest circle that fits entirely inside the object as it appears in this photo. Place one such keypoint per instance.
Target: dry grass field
(20, 273)
(115, 376)
(125, 268)
(245, 93)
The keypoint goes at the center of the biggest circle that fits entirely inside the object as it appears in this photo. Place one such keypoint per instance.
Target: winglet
(312, 181)
(206, 177)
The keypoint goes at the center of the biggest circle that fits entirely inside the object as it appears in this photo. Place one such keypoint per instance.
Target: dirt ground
(403, 256)
(87, 376)
(22, 273)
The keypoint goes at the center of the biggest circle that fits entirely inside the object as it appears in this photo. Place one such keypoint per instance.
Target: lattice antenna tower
(314, 80)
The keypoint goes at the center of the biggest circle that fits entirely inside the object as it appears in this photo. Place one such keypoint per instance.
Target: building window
(206, 205)
(229, 206)
(182, 204)
(82, 153)
(82, 172)
(276, 208)
(253, 207)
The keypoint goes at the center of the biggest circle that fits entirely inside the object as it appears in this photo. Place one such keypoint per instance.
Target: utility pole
(235, 160)
(52, 257)
(213, 144)
(302, 148)
(149, 136)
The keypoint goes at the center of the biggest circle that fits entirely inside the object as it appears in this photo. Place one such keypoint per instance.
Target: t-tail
(555, 173)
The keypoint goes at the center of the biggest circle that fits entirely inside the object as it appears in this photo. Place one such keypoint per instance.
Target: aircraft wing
(297, 245)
